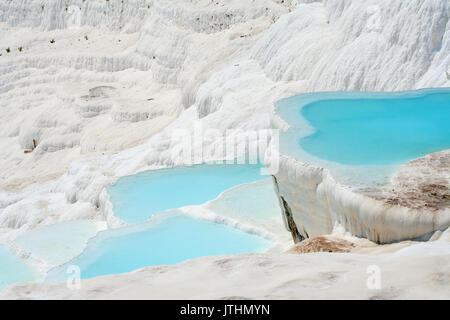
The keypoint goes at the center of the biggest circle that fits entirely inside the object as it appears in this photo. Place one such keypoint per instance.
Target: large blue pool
(135, 198)
(367, 128)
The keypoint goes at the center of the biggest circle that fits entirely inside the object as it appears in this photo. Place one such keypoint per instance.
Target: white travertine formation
(105, 97)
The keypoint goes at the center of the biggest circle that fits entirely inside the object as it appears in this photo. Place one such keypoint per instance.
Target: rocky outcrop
(322, 244)
(318, 204)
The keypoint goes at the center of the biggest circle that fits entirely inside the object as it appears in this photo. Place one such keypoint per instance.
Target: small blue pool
(14, 269)
(367, 128)
(167, 238)
(136, 198)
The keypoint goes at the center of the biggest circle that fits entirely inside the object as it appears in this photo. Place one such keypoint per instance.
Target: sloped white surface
(230, 81)
(319, 204)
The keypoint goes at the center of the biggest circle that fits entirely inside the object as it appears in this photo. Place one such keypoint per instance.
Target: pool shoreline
(223, 179)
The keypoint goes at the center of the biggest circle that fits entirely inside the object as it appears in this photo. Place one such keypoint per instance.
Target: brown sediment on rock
(296, 236)
(423, 183)
(322, 244)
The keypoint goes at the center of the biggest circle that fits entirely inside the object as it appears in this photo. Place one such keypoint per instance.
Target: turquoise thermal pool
(367, 128)
(167, 238)
(14, 269)
(136, 198)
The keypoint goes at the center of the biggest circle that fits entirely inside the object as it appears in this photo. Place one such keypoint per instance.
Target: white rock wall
(228, 62)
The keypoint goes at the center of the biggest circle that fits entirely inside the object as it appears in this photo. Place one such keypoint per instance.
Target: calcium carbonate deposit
(92, 91)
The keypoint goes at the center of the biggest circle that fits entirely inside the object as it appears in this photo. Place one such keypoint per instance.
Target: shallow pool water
(15, 269)
(58, 243)
(167, 238)
(369, 128)
(136, 198)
